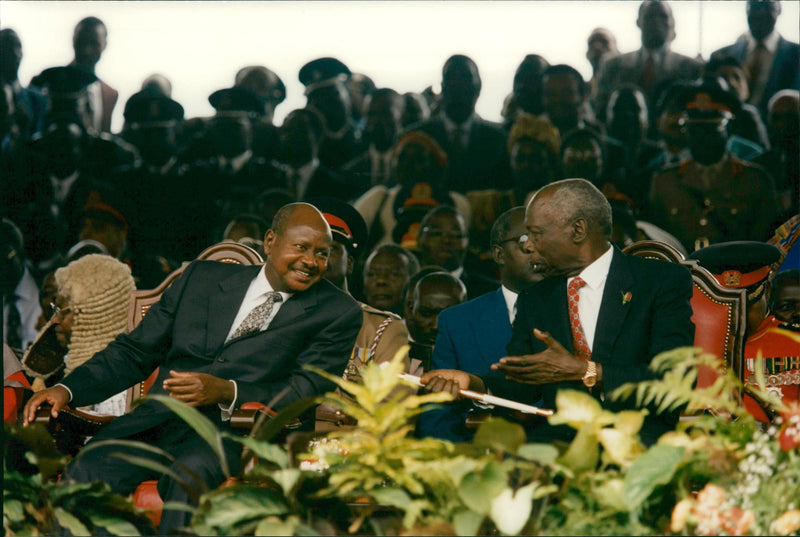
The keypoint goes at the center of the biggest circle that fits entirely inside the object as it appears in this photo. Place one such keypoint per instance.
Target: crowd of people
(386, 219)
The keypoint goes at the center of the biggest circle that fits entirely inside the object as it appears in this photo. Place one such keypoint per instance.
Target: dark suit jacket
(483, 164)
(109, 97)
(629, 68)
(186, 331)
(785, 71)
(472, 336)
(628, 336)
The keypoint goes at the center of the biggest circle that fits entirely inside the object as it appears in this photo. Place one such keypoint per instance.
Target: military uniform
(702, 205)
(714, 196)
(779, 348)
(382, 333)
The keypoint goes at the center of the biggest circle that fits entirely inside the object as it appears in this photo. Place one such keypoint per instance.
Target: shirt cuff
(226, 412)
(68, 391)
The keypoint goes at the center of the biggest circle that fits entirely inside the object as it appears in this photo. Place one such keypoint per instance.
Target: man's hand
(554, 364)
(57, 396)
(451, 381)
(199, 389)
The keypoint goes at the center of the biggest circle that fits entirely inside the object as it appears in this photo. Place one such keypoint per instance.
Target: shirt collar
(262, 286)
(457, 272)
(511, 301)
(595, 274)
(451, 125)
(770, 42)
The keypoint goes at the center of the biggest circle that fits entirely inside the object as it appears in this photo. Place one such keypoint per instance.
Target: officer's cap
(323, 72)
(346, 222)
(237, 99)
(708, 102)
(149, 106)
(263, 81)
(64, 82)
(739, 264)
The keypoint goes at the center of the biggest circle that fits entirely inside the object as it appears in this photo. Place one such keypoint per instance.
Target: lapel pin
(626, 297)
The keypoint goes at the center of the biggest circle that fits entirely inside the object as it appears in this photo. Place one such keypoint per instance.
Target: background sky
(199, 46)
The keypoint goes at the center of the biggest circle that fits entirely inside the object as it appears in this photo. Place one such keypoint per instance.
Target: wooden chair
(719, 313)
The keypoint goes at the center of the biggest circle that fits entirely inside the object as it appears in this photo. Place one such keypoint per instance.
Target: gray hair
(575, 199)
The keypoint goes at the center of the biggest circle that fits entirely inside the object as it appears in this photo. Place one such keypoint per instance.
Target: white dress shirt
(590, 296)
(511, 302)
(29, 307)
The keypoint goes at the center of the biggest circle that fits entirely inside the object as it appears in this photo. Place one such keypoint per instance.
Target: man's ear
(579, 231)
(269, 240)
(350, 264)
(498, 255)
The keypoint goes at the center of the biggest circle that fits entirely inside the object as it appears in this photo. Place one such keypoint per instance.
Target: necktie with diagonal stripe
(579, 342)
(255, 320)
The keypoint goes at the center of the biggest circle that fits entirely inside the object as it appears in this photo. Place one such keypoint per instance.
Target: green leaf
(113, 524)
(511, 509)
(267, 427)
(12, 509)
(70, 522)
(584, 451)
(499, 434)
(544, 454)
(200, 424)
(477, 488)
(287, 479)
(228, 506)
(275, 526)
(467, 522)
(150, 465)
(391, 496)
(655, 467)
(263, 450)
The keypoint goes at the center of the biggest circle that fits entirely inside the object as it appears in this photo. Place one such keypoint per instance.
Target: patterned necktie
(757, 66)
(579, 342)
(255, 320)
(13, 324)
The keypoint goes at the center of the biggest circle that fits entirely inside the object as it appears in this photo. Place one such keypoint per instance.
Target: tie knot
(576, 283)
(273, 296)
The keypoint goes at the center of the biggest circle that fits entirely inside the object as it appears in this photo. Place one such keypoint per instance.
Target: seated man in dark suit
(221, 334)
(473, 336)
(594, 325)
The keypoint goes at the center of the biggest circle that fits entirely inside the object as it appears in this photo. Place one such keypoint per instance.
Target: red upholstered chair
(719, 313)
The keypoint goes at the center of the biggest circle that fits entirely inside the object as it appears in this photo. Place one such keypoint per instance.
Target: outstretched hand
(554, 364)
(199, 389)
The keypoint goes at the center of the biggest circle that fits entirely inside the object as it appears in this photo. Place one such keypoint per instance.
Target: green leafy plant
(36, 503)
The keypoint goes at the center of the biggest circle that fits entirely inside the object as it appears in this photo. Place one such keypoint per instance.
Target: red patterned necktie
(579, 342)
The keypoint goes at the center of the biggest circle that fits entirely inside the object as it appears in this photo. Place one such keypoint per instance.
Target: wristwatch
(590, 377)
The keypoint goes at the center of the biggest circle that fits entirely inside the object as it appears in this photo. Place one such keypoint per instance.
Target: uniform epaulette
(366, 308)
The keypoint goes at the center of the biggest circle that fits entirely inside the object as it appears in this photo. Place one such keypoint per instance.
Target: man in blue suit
(772, 61)
(472, 336)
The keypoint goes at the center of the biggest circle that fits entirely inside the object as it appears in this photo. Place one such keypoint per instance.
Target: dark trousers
(190, 457)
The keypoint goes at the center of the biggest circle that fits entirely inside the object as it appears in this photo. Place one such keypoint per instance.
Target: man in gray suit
(222, 334)
(652, 66)
(772, 62)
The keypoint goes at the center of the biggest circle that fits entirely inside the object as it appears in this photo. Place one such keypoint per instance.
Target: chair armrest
(72, 427)
(246, 415)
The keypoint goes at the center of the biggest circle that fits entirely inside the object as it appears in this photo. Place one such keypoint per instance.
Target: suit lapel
(555, 307)
(612, 309)
(493, 320)
(224, 305)
(296, 306)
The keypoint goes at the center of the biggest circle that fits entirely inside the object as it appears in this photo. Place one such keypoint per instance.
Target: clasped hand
(198, 389)
(554, 364)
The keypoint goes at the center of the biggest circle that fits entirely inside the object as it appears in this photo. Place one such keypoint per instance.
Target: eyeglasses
(61, 312)
(520, 241)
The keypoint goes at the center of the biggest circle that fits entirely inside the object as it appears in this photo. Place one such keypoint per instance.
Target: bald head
(297, 248)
